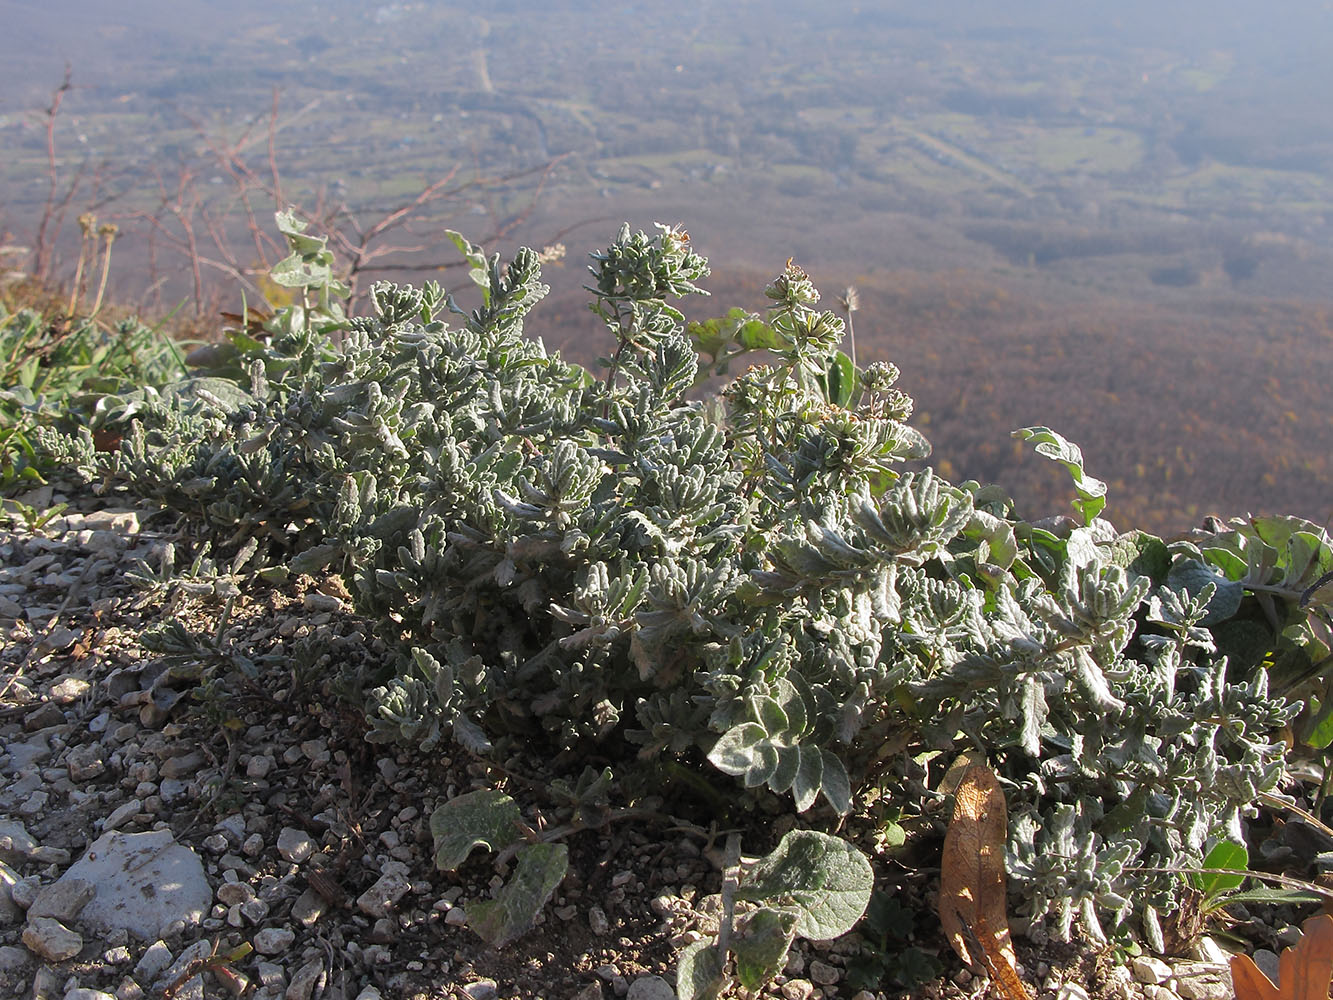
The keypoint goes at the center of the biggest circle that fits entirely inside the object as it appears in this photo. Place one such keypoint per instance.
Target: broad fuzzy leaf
(699, 974)
(824, 879)
(760, 945)
(484, 818)
(540, 870)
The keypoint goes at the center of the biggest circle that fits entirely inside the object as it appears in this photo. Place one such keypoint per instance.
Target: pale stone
(379, 899)
(308, 908)
(295, 845)
(51, 940)
(144, 881)
(235, 893)
(274, 940)
(482, 989)
(68, 690)
(122, 814)
(650, 988)
(179, 767)
(306, 978)
(1149, 970)
(1204, 987)
(85, 763)
(63, 900)
(823, 973)
(154, 961)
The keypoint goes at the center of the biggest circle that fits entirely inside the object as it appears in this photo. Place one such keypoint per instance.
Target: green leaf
(1321, 729)
(737, 751)
(1225, 854)
(699, 971)
(1271, 896)
(476, 258)
(486, 818)
(1091, 492)
(541, 868)
(760, 945)
(1192, 576)
(825, 879)
(835, 785)
(1142, 554)
(809, 778)
(314, 559)
(840, 380)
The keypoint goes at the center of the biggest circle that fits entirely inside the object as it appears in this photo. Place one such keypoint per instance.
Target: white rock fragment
(16, 844)
(48, 938)
(274, 940)
(10, 913)
(193, 988)
(179, 767)
(456, 917)
(88, 993)
(295, 845)
(379, 899)
(308, 908)
(122, 814)
(482, 989)
(68, 690)
(233, 826)
(235, 893)
(259, 766)
(823, 973)
(144, 881)
(598, 922)
(154, 961)
(650, 988)
(85, 763)
(1204, 986)
(1149, 970)
(306, 979)
(63, 900)
(24, 891)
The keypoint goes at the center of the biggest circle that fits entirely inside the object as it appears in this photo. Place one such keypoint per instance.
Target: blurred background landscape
(1114, 220)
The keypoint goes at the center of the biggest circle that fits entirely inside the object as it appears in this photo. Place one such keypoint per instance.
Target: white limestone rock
(144, 882)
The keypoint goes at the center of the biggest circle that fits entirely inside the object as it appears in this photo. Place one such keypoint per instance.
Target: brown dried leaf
(1304, 971)
(972, 896)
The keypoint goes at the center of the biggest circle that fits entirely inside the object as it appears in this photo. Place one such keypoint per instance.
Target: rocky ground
(154, 843)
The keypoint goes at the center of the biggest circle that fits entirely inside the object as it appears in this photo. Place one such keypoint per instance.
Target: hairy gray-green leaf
(699, 974)
(539, 871)
(824, 879)
(484, 818)
(760, 944)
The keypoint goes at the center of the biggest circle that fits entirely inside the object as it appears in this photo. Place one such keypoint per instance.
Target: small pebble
(273, 940)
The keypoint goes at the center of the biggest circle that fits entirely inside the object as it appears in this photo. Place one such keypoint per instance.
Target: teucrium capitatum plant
(761, 585)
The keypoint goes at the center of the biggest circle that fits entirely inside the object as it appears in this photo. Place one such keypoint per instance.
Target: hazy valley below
(1117, 226)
